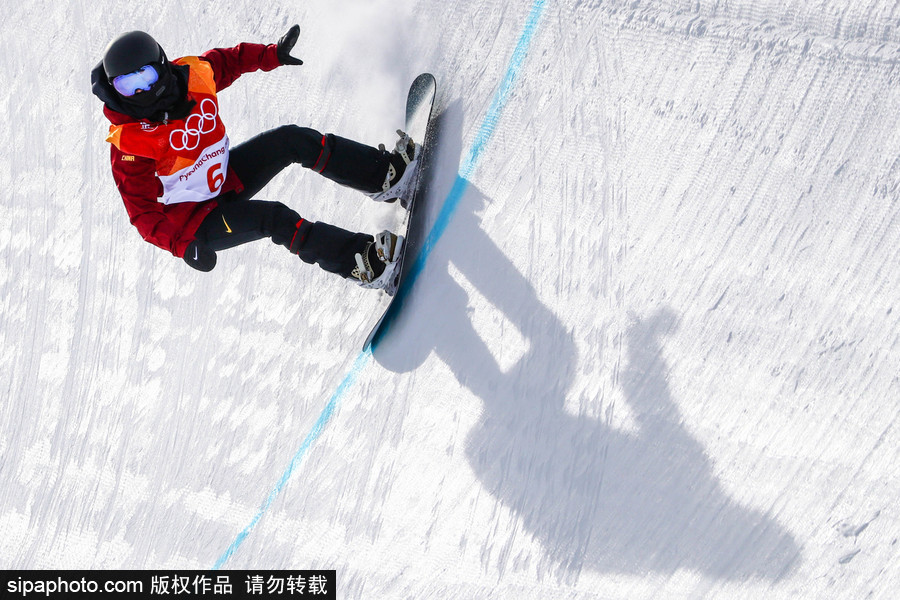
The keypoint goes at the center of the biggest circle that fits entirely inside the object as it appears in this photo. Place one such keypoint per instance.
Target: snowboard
(419, 102)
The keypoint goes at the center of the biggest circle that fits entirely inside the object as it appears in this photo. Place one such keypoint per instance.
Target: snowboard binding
(401, 171)
(376, 268)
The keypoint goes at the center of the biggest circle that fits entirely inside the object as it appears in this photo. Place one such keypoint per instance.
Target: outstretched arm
(230, 63)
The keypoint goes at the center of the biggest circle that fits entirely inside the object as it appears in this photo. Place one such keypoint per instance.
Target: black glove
(200, 256)
(286, 44)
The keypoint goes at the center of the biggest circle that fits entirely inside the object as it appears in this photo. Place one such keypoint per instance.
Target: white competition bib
(200, 180)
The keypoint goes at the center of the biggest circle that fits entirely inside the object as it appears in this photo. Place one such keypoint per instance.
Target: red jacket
(174, 226)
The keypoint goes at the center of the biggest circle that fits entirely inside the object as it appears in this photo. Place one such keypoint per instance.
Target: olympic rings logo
(195, 126)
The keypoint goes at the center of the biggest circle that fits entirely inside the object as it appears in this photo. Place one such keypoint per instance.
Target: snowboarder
(187, 191)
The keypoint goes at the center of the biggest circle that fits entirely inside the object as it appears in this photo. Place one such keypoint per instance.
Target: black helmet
(131, 51)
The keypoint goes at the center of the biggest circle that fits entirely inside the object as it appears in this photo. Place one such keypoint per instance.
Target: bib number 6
(215, 177)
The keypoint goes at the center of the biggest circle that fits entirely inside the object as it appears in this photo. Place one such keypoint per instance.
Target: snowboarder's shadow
(595, 497)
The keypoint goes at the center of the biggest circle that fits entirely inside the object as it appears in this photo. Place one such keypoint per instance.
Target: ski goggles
(142, 79)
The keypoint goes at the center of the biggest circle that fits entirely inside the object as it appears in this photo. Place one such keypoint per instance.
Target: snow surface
(654, 354)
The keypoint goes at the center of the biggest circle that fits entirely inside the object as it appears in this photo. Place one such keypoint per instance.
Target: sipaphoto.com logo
(25, 587)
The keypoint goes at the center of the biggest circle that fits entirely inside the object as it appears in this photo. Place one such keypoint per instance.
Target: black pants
(239, 218)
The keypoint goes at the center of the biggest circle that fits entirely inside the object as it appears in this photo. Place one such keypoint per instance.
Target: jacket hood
(174, 106)
(103, 90)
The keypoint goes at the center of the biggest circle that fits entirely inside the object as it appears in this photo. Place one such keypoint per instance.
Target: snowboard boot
(330, 247)
(376, 267)
(401, 170)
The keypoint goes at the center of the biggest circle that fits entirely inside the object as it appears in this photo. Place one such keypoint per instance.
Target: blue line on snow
(467, 168)
(484, 135)
(358, 365)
